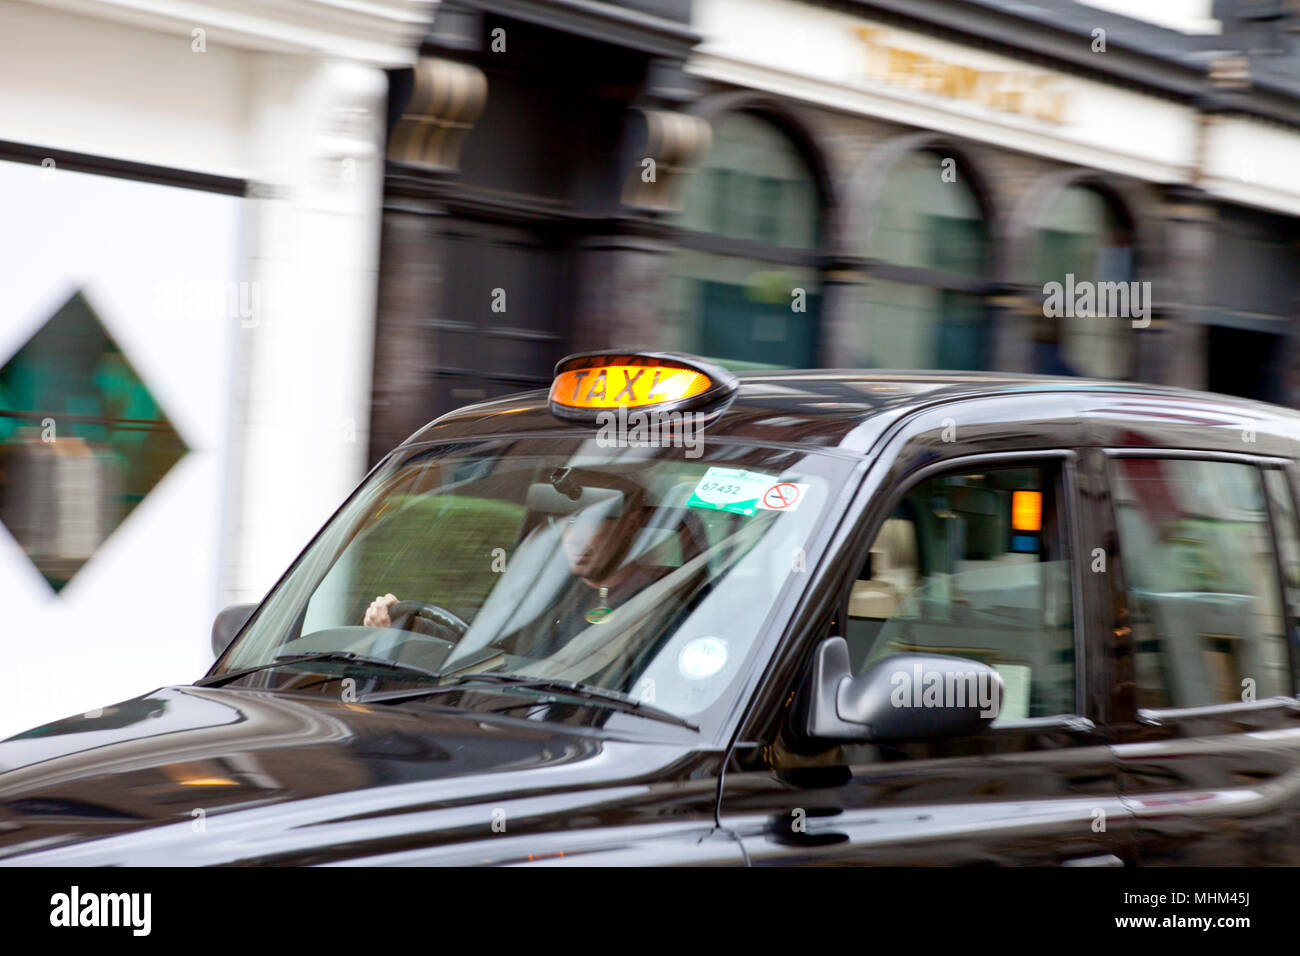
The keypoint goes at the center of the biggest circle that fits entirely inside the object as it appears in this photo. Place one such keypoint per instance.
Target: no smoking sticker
(782, 496)
(745, 492)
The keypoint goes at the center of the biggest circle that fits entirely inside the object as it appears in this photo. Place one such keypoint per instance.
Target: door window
(975, 565)
(1199, 565)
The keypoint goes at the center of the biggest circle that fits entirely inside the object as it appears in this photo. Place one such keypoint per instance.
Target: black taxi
(667, 615)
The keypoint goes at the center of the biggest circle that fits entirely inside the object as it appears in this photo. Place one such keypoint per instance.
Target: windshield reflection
(638, 571)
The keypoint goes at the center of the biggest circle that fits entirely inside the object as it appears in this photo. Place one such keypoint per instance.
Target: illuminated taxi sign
(631, 385)
(593, 382)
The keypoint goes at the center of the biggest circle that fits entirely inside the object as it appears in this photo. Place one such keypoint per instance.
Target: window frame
(1064, 462)
(1158, 716)
(1290, 596)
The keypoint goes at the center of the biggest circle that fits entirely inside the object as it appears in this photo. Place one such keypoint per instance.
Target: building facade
(933, 184)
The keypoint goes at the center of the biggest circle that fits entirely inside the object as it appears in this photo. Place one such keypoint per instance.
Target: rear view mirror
(229, 622)
(902, 697)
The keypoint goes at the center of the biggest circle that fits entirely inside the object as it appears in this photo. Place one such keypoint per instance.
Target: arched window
(744, 287)
(927, 237)
(1084, 238)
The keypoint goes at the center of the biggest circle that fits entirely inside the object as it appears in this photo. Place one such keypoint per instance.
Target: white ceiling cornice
(379, 32)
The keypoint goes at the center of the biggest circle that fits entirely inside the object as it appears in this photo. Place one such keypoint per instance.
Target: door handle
(1106, 859)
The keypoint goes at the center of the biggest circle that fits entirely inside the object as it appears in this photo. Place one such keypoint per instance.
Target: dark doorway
(1245, 362)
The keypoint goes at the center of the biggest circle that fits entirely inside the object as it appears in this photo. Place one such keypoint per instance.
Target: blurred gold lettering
(1025, 94)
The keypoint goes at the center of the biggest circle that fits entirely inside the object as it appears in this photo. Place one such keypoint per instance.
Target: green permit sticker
(744, 492)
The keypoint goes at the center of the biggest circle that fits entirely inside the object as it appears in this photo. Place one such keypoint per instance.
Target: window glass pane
(975, 565)
(904, 325)
(742, 312)
(1083, 235)
(753, 184)
(924, 221)
(1202, 580)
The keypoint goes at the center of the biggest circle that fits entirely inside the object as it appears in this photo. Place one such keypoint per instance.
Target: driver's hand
(377, 613)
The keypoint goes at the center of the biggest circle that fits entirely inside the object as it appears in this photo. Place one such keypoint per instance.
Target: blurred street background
(247, 246)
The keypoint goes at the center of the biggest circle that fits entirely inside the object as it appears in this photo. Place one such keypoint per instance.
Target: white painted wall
(132, 618)
(288, 95)
(93, 86)
(1253, 162)
(1185, 16)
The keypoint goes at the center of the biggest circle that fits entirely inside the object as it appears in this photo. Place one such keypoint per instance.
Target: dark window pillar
(619, 293)
(1015, 319)
(1174, 349)
(445, 100)
(410, 298)
(621, 273)
(842, 294)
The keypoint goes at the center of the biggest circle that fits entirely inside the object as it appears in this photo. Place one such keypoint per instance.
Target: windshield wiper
(600, 695)
(347, 657)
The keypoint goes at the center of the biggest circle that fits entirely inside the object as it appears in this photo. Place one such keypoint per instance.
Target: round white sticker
(702, 657)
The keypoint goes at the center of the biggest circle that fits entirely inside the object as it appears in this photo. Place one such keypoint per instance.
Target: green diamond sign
(82, 441)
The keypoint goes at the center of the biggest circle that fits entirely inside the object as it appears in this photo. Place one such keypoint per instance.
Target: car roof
(851, 409)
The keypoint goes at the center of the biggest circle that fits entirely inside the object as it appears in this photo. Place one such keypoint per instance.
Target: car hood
(193, 775)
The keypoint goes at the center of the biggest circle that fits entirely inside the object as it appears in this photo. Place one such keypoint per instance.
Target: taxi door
(984, 557)
(1207, 572)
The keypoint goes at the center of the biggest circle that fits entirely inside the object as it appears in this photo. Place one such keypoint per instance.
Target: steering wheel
(427, 619)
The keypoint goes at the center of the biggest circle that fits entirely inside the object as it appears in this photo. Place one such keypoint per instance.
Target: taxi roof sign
(593, 382)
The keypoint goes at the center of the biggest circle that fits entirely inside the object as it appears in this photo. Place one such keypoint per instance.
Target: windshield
(639, 571)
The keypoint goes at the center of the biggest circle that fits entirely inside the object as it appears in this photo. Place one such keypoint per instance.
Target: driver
(595, 541)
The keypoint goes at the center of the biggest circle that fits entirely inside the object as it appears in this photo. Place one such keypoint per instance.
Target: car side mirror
(229, 622)
(902, 697)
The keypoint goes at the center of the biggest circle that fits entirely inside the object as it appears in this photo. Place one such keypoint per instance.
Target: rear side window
(975, 565)
(1204, 597)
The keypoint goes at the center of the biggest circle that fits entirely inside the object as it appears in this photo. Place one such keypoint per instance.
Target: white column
(305, 354)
